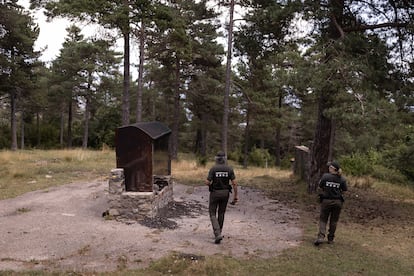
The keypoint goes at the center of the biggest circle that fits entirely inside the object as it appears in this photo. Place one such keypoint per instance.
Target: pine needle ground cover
(374, 235)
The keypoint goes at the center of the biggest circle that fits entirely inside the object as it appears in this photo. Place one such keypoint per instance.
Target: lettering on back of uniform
(222, 174)
(332, 184)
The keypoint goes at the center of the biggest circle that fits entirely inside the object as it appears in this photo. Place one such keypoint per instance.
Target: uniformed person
(332, 185)
(218, 180)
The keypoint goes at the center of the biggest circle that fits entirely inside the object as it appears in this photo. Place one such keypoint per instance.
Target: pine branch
(364, 27)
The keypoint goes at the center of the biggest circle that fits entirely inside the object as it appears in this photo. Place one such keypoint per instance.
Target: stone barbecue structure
(141, 185)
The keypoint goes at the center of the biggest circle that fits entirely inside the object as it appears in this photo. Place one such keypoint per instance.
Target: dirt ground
(62, 229)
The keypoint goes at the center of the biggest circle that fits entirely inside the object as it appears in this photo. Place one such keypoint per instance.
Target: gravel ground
(63, 229)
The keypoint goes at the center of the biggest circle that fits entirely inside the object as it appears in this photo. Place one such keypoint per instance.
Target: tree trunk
(332, 142)
(197, 145)
(278, 134)
(70, 118)
(277, 146)
(13, 121)
(86, 122)
(246, 137)
(322, 142)
(204, 135)
(140, 72)
(38, 128)
(176, 112)
(125, 95)
(201, 136)
(62, 128)
(228, 80)
(22, 131)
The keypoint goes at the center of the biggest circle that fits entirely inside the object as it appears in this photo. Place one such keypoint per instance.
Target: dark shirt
(220, 175)
(332, 185)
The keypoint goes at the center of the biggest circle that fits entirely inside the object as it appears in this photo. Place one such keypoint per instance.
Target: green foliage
(391, 175)
(286, 163)
(391, 165)
(406, 161)
(45, 136)
(202, 160)
(359, 164)
(260, 158)
(235, 155)
(18, 34)
(400, 157)
(4, 136)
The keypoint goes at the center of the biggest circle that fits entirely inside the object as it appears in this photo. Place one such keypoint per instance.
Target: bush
(5, 137)
(392, 165)
(202, 160)
(400, 157)
(286, 163)
(356, 164)
(389, 175)
(260, 158)
(235, 156)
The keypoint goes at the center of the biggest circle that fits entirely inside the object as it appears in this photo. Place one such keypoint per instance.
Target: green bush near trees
(261, 158)
(394, 165)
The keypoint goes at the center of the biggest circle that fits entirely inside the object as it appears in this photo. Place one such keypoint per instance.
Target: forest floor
(63, 229)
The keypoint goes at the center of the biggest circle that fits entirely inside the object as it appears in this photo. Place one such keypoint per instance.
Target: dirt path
(62, 228)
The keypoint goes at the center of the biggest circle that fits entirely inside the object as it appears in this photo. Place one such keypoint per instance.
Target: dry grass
(29, 170)
(396, 192)
(190, 173)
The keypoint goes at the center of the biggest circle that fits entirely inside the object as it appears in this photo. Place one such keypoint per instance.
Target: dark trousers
(330, 209)
(217, 209)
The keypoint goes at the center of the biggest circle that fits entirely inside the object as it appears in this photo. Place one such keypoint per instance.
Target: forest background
(345, 90)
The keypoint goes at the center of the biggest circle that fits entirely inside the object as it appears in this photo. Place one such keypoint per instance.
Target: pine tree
(337, 20)
(17, 58)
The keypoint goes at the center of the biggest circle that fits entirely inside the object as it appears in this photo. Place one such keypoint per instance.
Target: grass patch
(30, 170)
(189, 172)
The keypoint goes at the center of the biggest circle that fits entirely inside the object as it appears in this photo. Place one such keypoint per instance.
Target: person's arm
(207, 182)
(209, 178)
(321, 184)
(234, 184)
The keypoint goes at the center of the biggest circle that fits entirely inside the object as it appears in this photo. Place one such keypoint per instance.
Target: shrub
(286, 163)
(392, 165)
(202, 160)
(400, 157)
(235, 156)
(389, 175)
(356, 164)
(5, 137)
(260, 157)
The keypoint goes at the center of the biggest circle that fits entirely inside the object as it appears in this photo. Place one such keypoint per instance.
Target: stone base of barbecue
(137, 205)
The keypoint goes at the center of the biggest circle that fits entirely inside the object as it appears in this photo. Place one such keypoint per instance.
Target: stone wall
(137, 205)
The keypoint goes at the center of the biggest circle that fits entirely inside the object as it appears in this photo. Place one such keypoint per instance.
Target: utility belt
(211, 188)
(322, 197)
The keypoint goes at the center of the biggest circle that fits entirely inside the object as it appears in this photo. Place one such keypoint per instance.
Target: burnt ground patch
(174, 210)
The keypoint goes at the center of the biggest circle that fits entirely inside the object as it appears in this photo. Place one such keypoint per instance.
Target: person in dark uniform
(218, 180)
(332, 185)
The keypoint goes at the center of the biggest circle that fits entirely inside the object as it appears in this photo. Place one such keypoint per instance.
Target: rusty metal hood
(154, 129)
